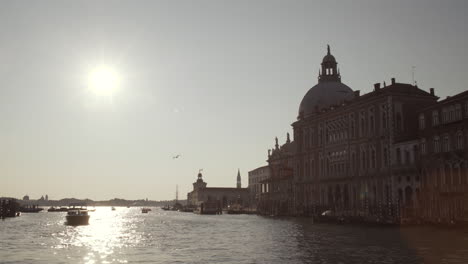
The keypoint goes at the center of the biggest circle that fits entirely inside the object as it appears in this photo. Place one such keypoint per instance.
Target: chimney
(356, 93)
(376, 86)
(393, 80)
(432, 91)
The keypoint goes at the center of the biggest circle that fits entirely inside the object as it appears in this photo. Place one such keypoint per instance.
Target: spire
(239, 184)
(328, 49)
(288, 140)
(276, 143)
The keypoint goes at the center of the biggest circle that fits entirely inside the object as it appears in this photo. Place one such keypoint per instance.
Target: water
(128, 236)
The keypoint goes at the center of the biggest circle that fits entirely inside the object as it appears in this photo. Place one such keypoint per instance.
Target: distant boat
(56, 209)
(78, 216)
(30, 209)
(145, 210)
(113, 208)
(166, 208)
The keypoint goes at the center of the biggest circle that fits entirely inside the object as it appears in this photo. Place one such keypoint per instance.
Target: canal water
(128, 236)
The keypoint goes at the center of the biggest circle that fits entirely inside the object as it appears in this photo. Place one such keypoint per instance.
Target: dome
(329, 58)
(322, 95)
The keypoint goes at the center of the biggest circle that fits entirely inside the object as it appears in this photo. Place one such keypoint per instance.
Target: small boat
(145, 210)
(113, 208)
(57, 209)
(166, 208)
(77, 216)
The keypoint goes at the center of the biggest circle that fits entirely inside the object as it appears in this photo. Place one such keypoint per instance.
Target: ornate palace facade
(357, 155)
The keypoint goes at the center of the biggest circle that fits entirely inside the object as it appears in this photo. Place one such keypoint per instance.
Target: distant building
(256, 179)
(224, 196)
(26, 198)
(47, 197)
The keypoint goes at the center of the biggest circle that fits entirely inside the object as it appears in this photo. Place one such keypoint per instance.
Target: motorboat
(145, 210)
(77, 216)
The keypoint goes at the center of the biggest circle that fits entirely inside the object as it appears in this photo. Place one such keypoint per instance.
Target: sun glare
(103, 81)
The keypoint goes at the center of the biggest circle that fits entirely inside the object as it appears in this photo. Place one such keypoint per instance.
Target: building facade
(221, 195)
(356, 155)
(256, 178)
(443, 138)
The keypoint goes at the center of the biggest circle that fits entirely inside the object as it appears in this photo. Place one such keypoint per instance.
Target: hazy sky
(214, 81)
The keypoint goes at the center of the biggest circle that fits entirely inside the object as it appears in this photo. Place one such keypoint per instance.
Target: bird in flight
(176, 157)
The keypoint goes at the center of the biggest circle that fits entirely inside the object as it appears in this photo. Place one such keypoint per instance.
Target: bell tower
(239, 184)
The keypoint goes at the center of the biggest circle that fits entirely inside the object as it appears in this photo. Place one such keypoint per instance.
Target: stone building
(223, 195)
(347, 150)
(443, 139)
(256, 179)
(277, 196)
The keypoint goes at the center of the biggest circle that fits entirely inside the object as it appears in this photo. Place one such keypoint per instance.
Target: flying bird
(176, 157)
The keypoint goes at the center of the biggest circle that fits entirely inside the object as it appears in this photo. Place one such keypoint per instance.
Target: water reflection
(127, 236)
(107, 232)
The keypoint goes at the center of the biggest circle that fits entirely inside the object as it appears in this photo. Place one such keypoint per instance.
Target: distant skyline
(213, 81)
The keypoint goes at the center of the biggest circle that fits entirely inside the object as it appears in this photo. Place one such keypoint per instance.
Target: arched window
(422, 122)
(384, 116)
(459, 140)
(435, 118)
(423, 146)
(446, 143)
(436, 144)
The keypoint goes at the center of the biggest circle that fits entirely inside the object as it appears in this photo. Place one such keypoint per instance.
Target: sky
(213, 81)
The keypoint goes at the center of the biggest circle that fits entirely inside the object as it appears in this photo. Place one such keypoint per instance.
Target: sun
(103, 81)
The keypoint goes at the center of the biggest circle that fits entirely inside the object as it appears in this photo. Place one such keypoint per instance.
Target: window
(459, 140)
(371, 120)
(362, 124)
(446, 143)
(423, 146)
(436, 144)
(373, 161)
(384, 117)
(422, 121)
(458, 112)
(352, 126)
(445, 117)
(435, 118)
(385, 156)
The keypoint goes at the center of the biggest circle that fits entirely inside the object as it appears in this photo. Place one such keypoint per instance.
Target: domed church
(343, 155)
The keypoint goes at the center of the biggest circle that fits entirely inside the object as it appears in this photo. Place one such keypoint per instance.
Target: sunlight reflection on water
(127, 236)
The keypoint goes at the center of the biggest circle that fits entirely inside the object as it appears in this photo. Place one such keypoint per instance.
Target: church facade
(224, 196)
(357, 155)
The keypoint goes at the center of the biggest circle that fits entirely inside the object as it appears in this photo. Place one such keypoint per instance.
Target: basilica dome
(324, 95)
(328, 92)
